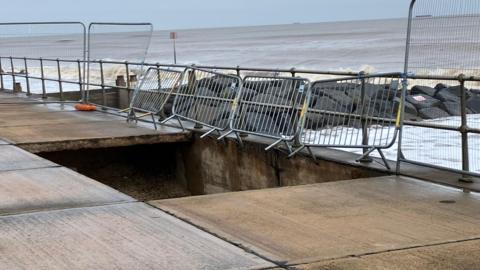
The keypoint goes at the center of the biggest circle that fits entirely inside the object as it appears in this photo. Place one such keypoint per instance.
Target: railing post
(292, 71)
(159, 78)
(42, 77)
(127, 75)
(464, 131)
(80, 82)
(27, 78)
(102, 82)
(60, 86)
(1, 75)
(367, 158)
(238, 71)
(399, 123)
(12, 67)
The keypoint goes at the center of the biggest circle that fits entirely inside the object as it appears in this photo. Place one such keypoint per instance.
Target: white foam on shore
(427, 145)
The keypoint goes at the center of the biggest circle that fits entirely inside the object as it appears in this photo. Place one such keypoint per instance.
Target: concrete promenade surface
(54, 218)
(55, 127)
(377, 223)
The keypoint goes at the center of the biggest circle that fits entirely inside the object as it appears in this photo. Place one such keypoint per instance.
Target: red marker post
(173, 36)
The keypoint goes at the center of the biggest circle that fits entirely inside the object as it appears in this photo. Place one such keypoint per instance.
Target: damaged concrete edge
(38, 147)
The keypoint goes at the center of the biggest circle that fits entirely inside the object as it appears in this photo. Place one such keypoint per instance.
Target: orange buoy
(85, 107)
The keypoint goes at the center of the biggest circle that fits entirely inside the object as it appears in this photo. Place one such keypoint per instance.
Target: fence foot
(289, 147)
(311, 154)
(294, 153)
(163, 122)
(270, 147)
(225, 135)
(384, 159)
(239, 138)
(208, 133)
(154, 122)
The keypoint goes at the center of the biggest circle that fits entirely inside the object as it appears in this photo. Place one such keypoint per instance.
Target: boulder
(411, 117)
(279, 91)
(473, 103)
(209, 83)
(372, 91)
(423, 101)
(456, 90)
(257, 85)
(286, 124)
(225, 82)
(340, 97)
(446, 96)
(441, 86)
(382, 109)
(183, 105)
(248, 94)
(167, 110)
(228, 93)
(205, 92)
(409, 108)
(432, 113)
(475, 91)
(204, 113)
(264, 99)
(223, 123)
(318, 87)
(316, 120)
(453, 108)
(423, 90)
(388, 94)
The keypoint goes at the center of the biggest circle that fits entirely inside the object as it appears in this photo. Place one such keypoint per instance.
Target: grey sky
(177, 14)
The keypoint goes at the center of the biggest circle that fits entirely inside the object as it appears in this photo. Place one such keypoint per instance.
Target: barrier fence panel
(206, 98)
(157, 88)
(271, 107)
(109, 44)
(30, 53)
(443, 43)
(358, 112)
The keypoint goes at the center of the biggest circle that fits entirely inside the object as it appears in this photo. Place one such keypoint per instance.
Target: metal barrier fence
(206, 99)
(270, 107)
(116, 42)
(30, 53)
(158, 86)
(442, 58)
(357, 112)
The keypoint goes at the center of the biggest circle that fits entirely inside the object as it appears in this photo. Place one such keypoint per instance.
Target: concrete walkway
(54, 218)
(327, 223)
(56, 127)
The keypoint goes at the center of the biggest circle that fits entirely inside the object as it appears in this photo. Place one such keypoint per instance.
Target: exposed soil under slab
(143, 172)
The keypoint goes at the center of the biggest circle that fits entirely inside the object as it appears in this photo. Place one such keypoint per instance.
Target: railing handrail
(256, 69)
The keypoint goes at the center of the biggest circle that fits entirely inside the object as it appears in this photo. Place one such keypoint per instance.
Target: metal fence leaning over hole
(156, 89)
(206, 98)
(270, 107)
(359, 112)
